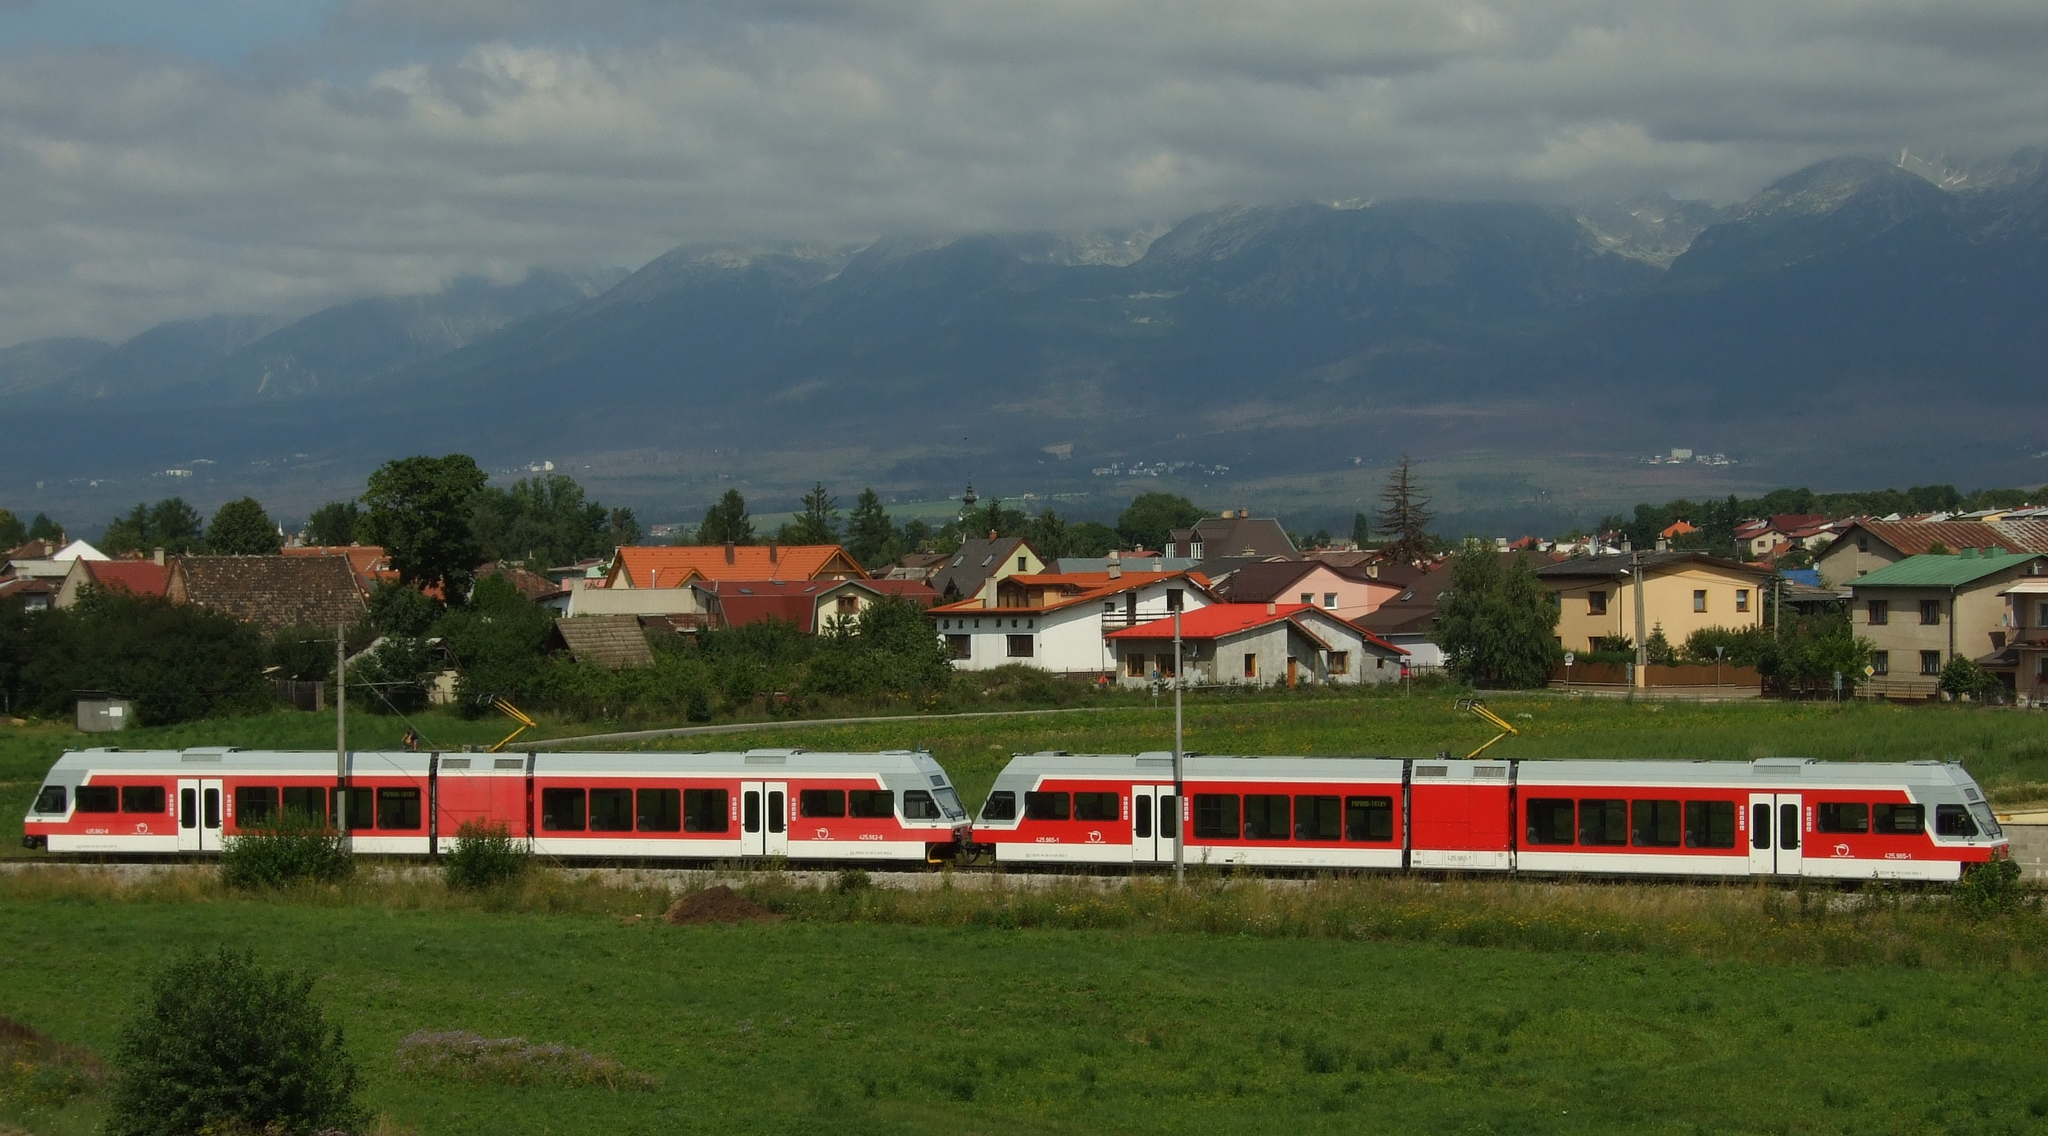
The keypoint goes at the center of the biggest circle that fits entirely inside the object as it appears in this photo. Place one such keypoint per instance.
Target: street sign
(1570, 658)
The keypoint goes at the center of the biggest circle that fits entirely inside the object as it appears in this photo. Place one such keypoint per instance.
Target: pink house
(1346, 593)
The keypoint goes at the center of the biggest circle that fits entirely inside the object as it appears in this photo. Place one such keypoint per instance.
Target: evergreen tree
(333, 524)
(12, 531)
(727, 521)
(242, 528)
(621, 528)
(1497, 627)
(170, 524)
(1048, 536)
(818, 523)
(1361, 529)
(1404, 515)
(43, 528)
(871, 537)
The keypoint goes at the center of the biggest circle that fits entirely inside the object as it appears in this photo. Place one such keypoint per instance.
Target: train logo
(824, 834)
(1095, 836)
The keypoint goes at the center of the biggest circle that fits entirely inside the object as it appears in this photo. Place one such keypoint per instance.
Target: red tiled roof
(1075, 588)
(674, 567)
(1218, 620)
(142, 577)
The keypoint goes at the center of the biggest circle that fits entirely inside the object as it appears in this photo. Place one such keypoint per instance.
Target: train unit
(1922, 820)
(893, 806)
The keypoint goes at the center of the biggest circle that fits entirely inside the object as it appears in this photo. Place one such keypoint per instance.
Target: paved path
(794, 723)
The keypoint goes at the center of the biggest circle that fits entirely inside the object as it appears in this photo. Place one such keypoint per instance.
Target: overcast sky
(162, 159)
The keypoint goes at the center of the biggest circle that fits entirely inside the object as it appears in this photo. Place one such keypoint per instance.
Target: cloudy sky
(163, 159)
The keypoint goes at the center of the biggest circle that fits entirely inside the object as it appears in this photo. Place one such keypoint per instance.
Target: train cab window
(659, 810)
(611, 810)
(254, 805)
(1215, 816)
(142, 798)
(562, 810)
(99, 799)
(949, 802)
(1710, 824)
(1047, 806)
(1603, 822)
(821, 802)
(1898, 820)
(1550, 820)
(1000, 806)
(918, 805)
(1266, 817)
(51, 799)
(362, 809)
(1369, 820)
(1654, 824)
(1953, 820)
(1097, 806)
(706, 810)
(309, 801)
(1318, 818)
(1841, 816)
(870, 803)
(398, 809)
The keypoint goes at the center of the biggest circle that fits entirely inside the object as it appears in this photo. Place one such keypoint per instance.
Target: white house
(1057, 622)
(1256, 645)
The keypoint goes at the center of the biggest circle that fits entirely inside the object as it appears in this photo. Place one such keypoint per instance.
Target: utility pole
(1180, 867)
(1642, 627)
(340, 731)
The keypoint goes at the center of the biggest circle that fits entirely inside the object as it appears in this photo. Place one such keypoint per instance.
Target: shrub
(1990, 889)
(223, 1044)
(294, 848)
(484, 856)
(462, 1056)
(1962, 676)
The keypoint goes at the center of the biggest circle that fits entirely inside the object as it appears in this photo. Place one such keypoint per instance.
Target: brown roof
(970, 565)
(274, 592)
(1263, 580)
(532, 585)
(1914, 538)
(142, 577)
(614, 641)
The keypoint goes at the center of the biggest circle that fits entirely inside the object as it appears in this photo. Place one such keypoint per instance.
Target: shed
(614, 641)
(100, 714)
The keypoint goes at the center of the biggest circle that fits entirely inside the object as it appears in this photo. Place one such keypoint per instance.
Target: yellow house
(1683, 592)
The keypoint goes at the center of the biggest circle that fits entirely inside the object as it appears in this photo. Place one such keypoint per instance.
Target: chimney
(158, 556)
(771, 552)
(728, 552)
(1272, 608)
(1116, 566)
(1627, 545)
(1225, 514)
(1663, 545)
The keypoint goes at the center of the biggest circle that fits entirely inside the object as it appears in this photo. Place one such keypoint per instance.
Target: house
(1057, 621)
(1923, 611)
(2025, 658)
(976, 565)
(273, 592)
(1255, 644)
(1677, 529)
(1127, 561)
(1346, 594)
(34, 593)
(50, 563)
(664, 580)
(1759, 538)
(808, 605)
(1408, 619)
(1866, 544)
(1235, 532)
(1683, 592)
(919, 567)
(140, 577)
(369, 562)
(842, 603)
(611, 641)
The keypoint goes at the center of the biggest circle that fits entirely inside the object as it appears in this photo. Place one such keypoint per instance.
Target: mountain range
(1858, 320)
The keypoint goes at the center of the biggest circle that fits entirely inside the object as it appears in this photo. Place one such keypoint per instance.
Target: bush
(292, 849)
(484, 856)
(464, 1057)
(223, 1044)
(1962, 676)
(1990, 889)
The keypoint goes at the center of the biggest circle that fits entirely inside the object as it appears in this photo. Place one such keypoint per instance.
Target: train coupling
(34, 843)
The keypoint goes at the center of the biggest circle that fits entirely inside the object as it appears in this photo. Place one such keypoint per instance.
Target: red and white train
(1776, 817)
(713, 806)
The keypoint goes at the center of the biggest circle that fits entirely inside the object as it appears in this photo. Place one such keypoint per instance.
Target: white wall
(1065, 640)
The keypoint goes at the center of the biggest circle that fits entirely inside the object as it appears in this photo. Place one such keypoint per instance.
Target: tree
(179, 661)
(1090, 539)
(818, 523)
(1361, 529)
(1048, 535)
(1404, 515)
(43, 528)
(621, 528)
(497, 640)
(1152, 517)
(170, 524)
(333, 523)
(727, 522)
(420, 509)
(871, 537)
(12, 531)
(1497, 627)
(545, 520)
(242, 528)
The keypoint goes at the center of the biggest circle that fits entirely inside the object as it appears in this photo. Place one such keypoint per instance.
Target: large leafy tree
(1404, 515)
(818, 522)
(1498, 625)
(541, 521)
(871, 537)
(242, 528)
(170, 524)
(727, 521)
(1152, 517)
(334, 523)
(12, 531)
(420, 510)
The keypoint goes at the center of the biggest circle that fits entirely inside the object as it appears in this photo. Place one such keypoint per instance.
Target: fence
(1657, 674)
(300, 695)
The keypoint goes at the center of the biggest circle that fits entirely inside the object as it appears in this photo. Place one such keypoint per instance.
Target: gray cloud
(411, 142)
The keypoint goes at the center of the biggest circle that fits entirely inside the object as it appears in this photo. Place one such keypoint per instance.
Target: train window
(918, 805)
(1788, 827)
(1603, 822)
(398, 809)
(1047, 806)
(1760, 826)
(611, 810)
(1550, 820)
(361, 810)
(1654, 824)
(1000, 806)
(209, 807)
(99, 799)
(51, 799)
(254, 805)
(1369, 819)
(949, 802)
(821, 802)
(1898, 820)
(1841, 816)
(1215, 816)
(1266, 817)
(1097, 806)
(778, 811)
(309, 801)
(659, 810)
(561, 810)
(1710, 824)
(706, 810)
(1141, 816)
(142, 798)
(1953, 820)
(750, 811)
(1169, 818)
(1318, 818)
(870, 803)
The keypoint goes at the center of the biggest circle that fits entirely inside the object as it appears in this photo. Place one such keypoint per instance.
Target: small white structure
(1256, 645)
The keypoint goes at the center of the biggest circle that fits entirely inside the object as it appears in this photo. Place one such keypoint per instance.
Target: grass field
(829, 1024)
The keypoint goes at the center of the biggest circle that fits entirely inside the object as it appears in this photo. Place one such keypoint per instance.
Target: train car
(761, 803)
(1774, 817)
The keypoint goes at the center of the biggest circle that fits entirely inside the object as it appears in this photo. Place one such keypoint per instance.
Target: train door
(1775, 826)
(775, 812)
(753, 833)
(199, 814)
(1155, 824)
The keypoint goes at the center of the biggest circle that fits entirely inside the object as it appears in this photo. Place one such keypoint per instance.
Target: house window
(2041, 668)
(1340, 662)
(849, 605)
(1251, 664)
(1881, 662)
(1134, 664)
(1020, 564)
(2041, 615)
(1174, 599)
(960, 646)
(1330, 600)
(1930, 612)
(1308, 598)
(1930, 662)
(1699, 599)
(1165, 665)
(1880, 612)
(1020, 646)
(1863, 544)
(1742, 599)
(1596, 603)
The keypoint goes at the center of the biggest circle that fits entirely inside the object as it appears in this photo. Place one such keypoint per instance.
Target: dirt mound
(718, 904)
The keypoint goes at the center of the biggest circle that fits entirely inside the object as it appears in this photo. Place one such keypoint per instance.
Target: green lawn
(808, 1026)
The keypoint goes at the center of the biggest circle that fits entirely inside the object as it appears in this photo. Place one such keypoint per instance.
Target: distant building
(1233, 533)
(1256, 644)
(1683, 592)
